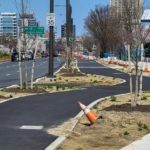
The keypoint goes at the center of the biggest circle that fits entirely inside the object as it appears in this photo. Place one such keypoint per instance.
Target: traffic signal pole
(51, 43)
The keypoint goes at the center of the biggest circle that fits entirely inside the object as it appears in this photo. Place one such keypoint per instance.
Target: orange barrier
(89, 113)
(145, 69)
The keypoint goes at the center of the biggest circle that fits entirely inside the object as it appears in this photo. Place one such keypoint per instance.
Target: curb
(61, 139)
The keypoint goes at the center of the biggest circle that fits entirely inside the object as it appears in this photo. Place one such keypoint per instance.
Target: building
(29, 20)
(145, 20)
(119, 6)
(8, 24)
(63, 31)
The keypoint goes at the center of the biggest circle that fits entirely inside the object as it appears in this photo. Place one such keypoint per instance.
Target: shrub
(57, 87)
(126, 133)
(60, 78)
(95, 81)
(144, 98)
(10, 96)
(113, 98)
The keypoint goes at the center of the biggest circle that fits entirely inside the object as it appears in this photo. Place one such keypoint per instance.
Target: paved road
(49, 110)
(10, 75)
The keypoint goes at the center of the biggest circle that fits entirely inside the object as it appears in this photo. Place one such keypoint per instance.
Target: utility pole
(51, 42)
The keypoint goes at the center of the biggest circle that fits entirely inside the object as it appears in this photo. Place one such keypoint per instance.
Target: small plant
(10, 96)
(95, 81)
(60, 78)
(144, 98)
(126, 133)
(145, 127)
(66, 80)
(79, 148)
(55, 80)
(63, 88)
(95, 107)
(2, 90)
(113, 98)
(77, 79)
(57, 87)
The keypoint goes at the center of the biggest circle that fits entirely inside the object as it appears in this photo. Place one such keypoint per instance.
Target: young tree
(134, 37)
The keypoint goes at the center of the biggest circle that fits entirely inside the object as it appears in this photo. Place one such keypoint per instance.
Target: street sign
(33, 30)
(50, 19)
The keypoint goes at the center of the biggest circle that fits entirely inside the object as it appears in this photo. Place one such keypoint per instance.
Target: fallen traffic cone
(89, 113)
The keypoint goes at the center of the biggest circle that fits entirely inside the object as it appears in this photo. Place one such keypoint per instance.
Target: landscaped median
(64, 81)
(119, 126)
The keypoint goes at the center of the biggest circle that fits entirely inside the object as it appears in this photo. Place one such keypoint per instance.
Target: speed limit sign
(50, 19)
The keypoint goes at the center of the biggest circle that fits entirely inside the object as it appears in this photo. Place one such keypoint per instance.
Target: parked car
(28, 55)
(44, 54)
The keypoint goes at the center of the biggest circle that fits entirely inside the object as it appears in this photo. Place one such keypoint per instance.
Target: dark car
(14, 55)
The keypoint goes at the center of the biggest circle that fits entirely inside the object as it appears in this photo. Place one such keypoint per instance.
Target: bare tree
(104, 28)
(134, 38)
(88, 41)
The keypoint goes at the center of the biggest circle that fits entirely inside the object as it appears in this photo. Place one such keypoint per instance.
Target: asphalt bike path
(40, 112)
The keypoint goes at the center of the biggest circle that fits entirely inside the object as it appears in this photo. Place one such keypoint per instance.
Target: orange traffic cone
(89, 113)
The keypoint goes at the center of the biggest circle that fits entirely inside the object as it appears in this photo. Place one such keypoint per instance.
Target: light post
(51, 42)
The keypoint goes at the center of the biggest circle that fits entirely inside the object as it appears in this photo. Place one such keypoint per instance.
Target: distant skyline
(80, 10)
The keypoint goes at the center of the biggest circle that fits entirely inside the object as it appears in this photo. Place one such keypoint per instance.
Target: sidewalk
(143, 144)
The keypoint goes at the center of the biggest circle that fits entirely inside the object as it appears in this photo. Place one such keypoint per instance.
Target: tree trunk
(33, 66)
(141, 74)
(130, 75)
(136, 81)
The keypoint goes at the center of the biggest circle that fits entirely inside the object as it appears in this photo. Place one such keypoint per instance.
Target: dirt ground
(120, 125)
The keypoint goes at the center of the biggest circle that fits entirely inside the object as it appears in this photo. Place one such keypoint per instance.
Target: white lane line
(27, 127)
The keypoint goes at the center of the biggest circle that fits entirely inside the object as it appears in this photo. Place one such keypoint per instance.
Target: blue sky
(81, 8)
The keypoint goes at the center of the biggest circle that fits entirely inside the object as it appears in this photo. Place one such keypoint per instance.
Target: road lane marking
(8, 75)
(28, 127)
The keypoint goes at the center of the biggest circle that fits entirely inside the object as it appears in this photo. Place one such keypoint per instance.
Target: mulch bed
(66, 73)
(3, 97)
(128, 108)
(18, 90)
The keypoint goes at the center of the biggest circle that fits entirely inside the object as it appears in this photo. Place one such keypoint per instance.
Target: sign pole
(51, 42)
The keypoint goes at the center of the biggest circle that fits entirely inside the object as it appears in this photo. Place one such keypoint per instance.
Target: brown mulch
(18, 90)
(66, 73)
(3, 97)
(128, 108)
